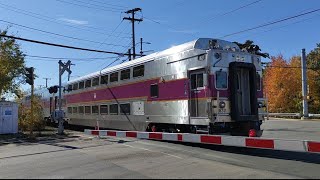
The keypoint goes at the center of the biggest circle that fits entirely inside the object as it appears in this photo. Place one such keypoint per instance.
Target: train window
(87, 109)
(221, 80)
(95, 109)
(75, 86)
(258, 82)
(70, 110)
(70, 88)
(81, 85)
(138, 71)
(81, 109)
(125, 109)
(114, 77)
(88, 83)
(125, 74)
(104, 79)
(154, 90)
(196, 80)
(114, 109)
(75, 110)
(95, 81)
(104, 109)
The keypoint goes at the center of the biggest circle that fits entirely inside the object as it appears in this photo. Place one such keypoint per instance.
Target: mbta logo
(53, 89)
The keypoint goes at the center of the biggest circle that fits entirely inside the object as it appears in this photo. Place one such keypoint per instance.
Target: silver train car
(206, 85)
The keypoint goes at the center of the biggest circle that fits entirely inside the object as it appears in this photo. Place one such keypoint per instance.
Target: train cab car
(204, 85)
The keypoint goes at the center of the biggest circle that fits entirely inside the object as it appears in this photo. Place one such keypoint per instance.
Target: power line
(99, 5)
(49, 19)
(56, 34)
(58, 58)
(271, 23)
(168, 26)
(109, 4)
(234, 10)
(90, 7)
(110, 36)
(62, 46)
(303, 20)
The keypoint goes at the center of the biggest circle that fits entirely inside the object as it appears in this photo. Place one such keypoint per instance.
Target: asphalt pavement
(292, 129)
(82, 156)
(90, 157)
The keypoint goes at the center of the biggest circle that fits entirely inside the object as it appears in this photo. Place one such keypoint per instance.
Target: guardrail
(298, 115)
(285, 114)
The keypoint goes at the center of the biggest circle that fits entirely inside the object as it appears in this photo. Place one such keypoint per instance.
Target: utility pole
(129, 54)
(47, 81)
(133, 20)
(141, 52)
(304, 84)
(62, 68)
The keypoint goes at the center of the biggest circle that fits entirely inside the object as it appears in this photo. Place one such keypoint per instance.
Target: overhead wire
(232, 11)
(61, 45)
(271, 23)
(296, 22)
(99, 5)
(86, 6)
(60, 35)
(116, 5)
(49, 19)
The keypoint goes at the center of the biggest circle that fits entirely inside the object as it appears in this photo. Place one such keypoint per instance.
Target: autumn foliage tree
(11, 64)
(283, 86)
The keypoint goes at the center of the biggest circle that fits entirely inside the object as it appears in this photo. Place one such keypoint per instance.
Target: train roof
(201, 44)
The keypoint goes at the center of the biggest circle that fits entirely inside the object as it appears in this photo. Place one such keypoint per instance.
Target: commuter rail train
(207, 85)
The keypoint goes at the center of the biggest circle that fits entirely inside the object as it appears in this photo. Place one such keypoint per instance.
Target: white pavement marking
(153, 151)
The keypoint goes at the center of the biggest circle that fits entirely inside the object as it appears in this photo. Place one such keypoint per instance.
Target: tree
(283, 84)
(30, 122)
(284, 89)
(11, 64)
(313, 63)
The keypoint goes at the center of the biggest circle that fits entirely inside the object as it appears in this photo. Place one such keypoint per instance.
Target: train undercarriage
(251, 128)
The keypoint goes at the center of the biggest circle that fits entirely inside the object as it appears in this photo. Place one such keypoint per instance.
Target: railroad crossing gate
(8, 117)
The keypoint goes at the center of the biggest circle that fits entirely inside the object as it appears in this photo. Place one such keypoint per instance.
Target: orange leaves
(283, 84)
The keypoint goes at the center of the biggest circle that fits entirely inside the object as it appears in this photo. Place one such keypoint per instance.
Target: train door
(243, 91)
(197, 106)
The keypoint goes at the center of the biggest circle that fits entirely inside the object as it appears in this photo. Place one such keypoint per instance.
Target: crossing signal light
(30, 75)
(53, 89)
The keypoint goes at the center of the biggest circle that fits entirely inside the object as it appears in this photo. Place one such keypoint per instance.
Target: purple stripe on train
(170, 90)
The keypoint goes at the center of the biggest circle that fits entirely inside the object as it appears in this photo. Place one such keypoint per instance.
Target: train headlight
(222, 104)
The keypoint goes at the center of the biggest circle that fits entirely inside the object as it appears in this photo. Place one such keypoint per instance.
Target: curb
(237, 141)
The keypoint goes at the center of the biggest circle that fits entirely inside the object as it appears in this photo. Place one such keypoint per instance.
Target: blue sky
(166, 23)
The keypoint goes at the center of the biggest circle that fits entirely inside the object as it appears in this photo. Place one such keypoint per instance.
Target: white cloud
(73, 21)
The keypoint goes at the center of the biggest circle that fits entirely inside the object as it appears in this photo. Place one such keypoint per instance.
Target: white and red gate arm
(237, 141)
